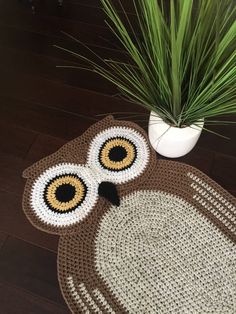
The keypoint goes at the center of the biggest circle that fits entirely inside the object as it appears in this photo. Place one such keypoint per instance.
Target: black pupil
(65, 193)
(117, 153)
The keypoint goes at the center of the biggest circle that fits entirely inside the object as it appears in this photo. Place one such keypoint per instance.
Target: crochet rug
(137, 234)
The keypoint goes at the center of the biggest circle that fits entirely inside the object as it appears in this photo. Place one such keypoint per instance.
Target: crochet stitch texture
(168, 247)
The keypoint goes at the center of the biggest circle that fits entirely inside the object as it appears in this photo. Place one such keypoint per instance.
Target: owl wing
(82, 287)
(208, 197)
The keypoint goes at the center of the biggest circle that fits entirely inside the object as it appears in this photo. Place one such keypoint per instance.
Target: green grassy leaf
(181, 58)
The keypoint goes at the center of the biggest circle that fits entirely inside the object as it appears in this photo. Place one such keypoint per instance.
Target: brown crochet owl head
(106, 161)
(137, 234)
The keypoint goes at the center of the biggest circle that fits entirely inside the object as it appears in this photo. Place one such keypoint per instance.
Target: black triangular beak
(108, 190)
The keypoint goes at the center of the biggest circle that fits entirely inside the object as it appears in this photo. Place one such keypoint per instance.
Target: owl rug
(137, 234)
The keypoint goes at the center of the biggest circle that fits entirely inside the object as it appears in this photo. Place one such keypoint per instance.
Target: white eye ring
(138, 165)
(62, 219)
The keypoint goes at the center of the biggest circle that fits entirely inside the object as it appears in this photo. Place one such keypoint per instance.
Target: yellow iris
(126, 146)
(78, 196)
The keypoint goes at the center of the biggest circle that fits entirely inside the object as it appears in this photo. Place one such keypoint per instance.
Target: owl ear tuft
(28, 172)
(38, 167)
(108, 118)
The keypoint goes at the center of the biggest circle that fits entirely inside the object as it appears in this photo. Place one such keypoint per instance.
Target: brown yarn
(168, 247)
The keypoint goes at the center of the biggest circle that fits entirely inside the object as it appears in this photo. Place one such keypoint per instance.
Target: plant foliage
(182, 58)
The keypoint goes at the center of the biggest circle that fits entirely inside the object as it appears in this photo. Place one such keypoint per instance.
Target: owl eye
(119, 154)
(64, 194)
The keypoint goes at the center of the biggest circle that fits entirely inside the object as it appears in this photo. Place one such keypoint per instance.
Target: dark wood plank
(233, 192)
(15, 141)
(19, 18)
(223, 171)
(59, 95)
(70, 10)
(15, 144)
(11, 173)
(18, 301)
(14, 222)
(44, 44)
(217, 143)
(46, 67)
(127, 4)
(49, 95)
(3, 237)
(200, 158)
(41, 119)
(31, 268)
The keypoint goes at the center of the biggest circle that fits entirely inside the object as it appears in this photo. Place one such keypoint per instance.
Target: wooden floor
(41, 107)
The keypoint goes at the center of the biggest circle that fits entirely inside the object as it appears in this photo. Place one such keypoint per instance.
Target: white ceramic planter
(171, 141)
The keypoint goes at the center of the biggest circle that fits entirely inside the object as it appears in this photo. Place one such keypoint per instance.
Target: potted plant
(182, 66)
